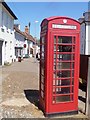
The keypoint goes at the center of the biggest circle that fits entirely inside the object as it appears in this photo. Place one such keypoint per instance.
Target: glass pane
(54, 39)
(59, 66)
(73, 49)
(42, 54)
(42, 71)
(42, 63)
(66, 82)
(65, 57)
(42, 79)
(64, 39)
(67, 65)
(63, 82)
(64, 98)
(54, 82)
(55, 56)
(42, 48)
(54, 100)
(42, 39)
(54, 67)
(55, 48)
(63, 48)
(53, 90)
(42, 86)
(72, 81)
(60, 56)
(72, 73)
(58, 82)
(72, 66)
(63, 74)
(42, 94)
(64, 90)
(54, 75)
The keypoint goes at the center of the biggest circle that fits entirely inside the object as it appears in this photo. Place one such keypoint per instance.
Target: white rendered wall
(25, 49)
(7, 22)
(0, 14)
(19, 41)
(87, 52)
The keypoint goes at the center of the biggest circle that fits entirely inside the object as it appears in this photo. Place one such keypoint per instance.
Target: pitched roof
(29, 37)
(8, 9)
(17, 30)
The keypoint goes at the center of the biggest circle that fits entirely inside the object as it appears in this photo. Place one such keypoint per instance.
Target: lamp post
(35, 40)
(36, 29)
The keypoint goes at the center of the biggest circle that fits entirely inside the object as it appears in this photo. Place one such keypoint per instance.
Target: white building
(23, 42)
(85, 33)
(30, 42)
(7, 18)
(19, 43)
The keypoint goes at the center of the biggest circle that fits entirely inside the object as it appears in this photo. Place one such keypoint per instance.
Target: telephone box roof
(59, 17)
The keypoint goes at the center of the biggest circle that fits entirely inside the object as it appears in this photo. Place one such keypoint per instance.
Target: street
(19, 79)
(20, 95)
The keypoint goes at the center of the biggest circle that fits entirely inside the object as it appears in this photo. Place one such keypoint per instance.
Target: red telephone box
(59, 65)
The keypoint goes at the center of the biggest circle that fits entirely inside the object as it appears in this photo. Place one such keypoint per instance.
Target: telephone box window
(65, 98)
(64, 39)
(54, 39)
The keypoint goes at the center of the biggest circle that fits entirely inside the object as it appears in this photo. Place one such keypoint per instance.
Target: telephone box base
(61, 113)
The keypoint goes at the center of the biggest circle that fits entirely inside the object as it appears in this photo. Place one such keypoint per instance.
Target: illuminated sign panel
(63, 26)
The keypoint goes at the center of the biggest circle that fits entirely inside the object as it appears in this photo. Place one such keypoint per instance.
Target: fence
(85, 76)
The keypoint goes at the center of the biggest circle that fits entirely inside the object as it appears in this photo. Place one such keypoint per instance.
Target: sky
(37, 11)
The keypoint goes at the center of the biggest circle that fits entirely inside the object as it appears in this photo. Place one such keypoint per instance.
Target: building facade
(30, 42)
(7, 18)
(23, 43)
(85, 33)
(19, 43)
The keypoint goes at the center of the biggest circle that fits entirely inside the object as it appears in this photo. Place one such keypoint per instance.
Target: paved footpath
(20, 96)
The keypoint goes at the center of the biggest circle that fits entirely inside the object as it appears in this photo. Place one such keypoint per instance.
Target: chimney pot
(26, 29)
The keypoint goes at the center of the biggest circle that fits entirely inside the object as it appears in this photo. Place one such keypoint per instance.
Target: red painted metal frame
(48, 33)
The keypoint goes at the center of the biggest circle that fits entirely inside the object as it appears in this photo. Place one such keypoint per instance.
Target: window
(63, 68)
(2, 21)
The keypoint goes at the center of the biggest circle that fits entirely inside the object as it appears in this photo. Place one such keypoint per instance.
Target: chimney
(26, 29)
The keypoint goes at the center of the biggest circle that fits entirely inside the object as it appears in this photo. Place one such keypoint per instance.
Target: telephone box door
(65, 58)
